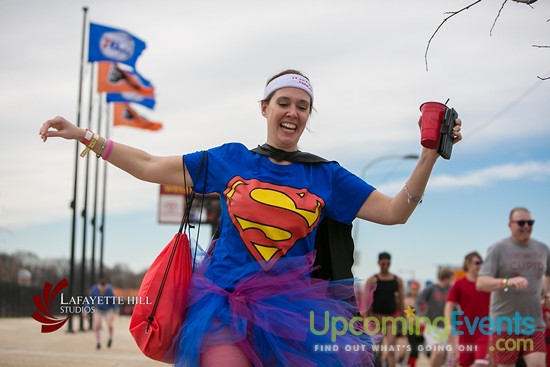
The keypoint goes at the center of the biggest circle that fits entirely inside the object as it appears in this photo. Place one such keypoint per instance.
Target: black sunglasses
(521, 223)
(478, 262)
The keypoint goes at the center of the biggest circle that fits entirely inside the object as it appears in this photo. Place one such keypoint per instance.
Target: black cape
(333, 243)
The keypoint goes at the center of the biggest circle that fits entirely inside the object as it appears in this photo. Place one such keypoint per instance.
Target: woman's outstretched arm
(142, 165)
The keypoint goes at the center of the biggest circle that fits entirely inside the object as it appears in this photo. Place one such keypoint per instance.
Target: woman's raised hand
(60, 127)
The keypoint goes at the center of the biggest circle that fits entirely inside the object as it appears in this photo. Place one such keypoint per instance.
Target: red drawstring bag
(158, 317)
(156, 320)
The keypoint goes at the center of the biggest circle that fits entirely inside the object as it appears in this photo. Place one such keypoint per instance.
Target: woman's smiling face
(287, 113)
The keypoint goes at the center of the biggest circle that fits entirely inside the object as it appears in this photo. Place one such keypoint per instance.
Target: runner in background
(416, 340)
(104, 301)
(516, 271)
(387, 302)
(465, 301)
(431, 304)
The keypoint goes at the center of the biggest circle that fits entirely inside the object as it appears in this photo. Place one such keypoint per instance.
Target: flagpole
(102, 227)
(94, 217)
(85, 208)
(75, 184)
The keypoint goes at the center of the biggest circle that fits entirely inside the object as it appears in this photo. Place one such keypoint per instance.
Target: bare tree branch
(453, 13)
(528, 3)
(498, 15)
(441, 24)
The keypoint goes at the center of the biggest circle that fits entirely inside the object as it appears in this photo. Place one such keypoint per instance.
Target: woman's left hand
(457, 131)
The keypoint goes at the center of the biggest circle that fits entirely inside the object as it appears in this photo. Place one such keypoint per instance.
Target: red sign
(172, 206)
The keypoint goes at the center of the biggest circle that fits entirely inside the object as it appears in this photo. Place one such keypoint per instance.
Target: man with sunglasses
(466, 303)
(517, 271)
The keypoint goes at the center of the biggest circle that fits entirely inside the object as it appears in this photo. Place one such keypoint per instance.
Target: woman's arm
(140, 164)
(382, 209)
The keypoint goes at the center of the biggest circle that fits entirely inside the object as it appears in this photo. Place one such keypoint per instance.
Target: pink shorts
(507, 348)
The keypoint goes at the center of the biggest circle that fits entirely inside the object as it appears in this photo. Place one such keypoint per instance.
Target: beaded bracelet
(101, 149)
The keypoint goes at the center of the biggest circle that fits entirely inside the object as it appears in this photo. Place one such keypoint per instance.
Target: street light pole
(385, 158)
(355, 234)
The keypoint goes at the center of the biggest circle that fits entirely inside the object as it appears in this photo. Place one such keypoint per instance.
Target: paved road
(23, 345)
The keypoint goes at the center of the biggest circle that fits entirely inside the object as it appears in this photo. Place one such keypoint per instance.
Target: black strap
(203, 163)
(190, 191)
(189, 196)
(281, 155)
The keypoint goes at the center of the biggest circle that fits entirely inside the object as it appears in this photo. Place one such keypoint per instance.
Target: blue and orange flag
(111, 78)
(131, 97)
(124, 115)
(112, 44)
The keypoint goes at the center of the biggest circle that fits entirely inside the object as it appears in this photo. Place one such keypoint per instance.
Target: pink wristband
(109, 149)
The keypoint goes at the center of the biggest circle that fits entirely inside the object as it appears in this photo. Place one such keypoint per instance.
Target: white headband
(289, 80)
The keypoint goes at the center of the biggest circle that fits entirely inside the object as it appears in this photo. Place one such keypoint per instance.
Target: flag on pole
(112, 44)
(127, 97)
(124, 115)
(111, 78)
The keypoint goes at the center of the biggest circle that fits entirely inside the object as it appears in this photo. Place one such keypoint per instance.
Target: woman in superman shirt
(253, 302)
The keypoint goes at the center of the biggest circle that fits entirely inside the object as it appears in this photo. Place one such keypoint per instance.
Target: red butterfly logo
(43, 313)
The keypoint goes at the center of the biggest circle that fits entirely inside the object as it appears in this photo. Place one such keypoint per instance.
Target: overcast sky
(209, 61)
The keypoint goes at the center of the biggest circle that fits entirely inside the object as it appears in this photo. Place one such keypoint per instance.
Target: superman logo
(271, 218)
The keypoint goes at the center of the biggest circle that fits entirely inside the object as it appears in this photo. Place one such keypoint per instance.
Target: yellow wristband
(90, 146)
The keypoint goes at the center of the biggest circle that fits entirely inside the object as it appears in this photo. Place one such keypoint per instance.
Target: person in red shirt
(467, 302)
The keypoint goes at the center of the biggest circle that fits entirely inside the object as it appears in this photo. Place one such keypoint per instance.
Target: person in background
(415, 340)
(466, 300)
(431, 304)
(103, 299)
(249, 297)
(516, 272)
(387, 302)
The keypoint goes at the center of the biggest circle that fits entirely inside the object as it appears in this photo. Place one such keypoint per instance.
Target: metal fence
(17, 300)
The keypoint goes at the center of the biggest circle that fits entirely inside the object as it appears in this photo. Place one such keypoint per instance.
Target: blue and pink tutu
(279, 317)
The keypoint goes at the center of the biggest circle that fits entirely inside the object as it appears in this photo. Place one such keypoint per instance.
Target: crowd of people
(509, 286)
(495, 312)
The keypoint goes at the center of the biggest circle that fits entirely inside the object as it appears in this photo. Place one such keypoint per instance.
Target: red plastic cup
(430, 123)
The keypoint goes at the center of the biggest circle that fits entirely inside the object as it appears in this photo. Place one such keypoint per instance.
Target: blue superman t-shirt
(270, 210)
